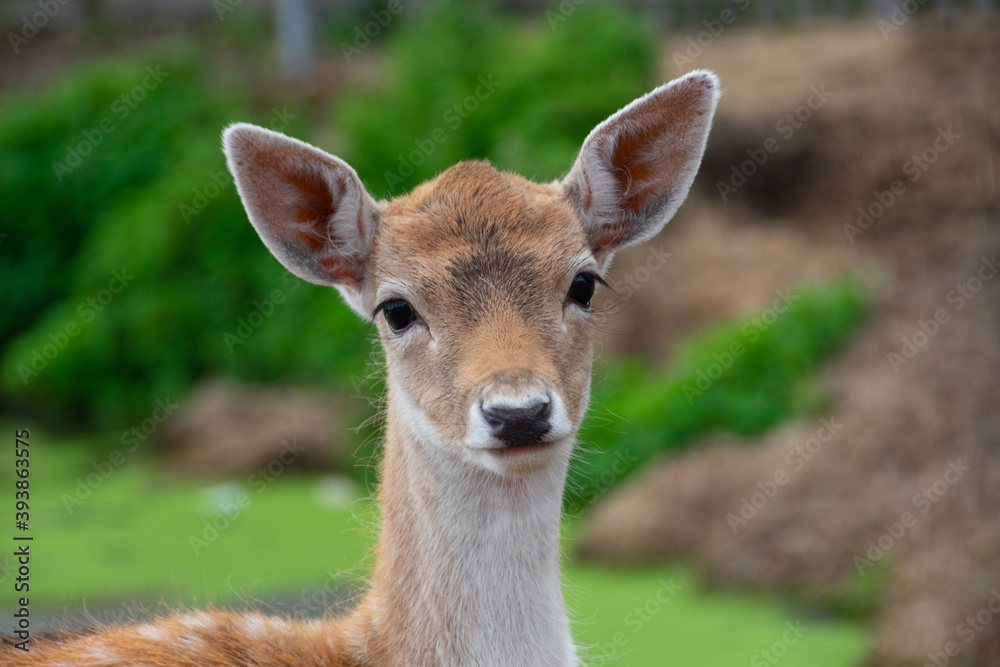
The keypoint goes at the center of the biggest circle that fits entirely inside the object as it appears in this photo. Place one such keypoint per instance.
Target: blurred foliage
(743, 376)
(465, 83)
(860, 595)
(40, 138)
(152, 203)
(146, 197)
(150, 213)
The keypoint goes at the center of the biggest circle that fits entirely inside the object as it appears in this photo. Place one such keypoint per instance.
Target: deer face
(479, 281)
(482, 283)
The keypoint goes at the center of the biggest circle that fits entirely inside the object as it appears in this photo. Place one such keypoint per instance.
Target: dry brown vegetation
(903, 419)
(224, 427)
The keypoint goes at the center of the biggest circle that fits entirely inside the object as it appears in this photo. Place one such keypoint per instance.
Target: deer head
(479, 281)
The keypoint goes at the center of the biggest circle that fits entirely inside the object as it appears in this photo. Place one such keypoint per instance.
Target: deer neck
(467, 569)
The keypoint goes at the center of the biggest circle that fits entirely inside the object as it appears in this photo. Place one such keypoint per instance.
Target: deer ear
(635, 169)
(309, 207)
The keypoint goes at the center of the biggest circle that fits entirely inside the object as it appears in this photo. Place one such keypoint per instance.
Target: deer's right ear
(309, 207)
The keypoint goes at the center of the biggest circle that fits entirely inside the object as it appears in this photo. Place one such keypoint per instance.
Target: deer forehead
(477, 236)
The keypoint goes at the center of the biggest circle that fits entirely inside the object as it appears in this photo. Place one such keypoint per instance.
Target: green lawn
(135, 540)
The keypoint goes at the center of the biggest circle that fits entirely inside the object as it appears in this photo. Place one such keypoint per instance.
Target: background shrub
(153, 200)
(548, 88)
(709, 388)
(172, 219)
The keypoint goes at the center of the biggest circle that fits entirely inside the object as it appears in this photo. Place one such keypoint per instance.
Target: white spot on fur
(194, 644)
(198, 621)
(279, 625)
(416, 419)
(101, 654)
(152, 632)
(255, 626)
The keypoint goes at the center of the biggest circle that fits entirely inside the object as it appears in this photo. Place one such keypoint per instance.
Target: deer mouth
(514, 450)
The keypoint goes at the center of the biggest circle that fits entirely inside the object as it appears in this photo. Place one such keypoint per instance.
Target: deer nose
(518, 425)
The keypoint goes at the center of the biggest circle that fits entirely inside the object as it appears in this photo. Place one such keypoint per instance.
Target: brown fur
(484, 245)
(204, 639)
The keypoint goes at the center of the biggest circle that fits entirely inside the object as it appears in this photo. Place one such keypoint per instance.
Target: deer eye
(398, 314)
(581, 289)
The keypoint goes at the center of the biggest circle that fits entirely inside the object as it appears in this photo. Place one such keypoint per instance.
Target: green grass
(693, 627)
(129, 544)
(141, 534)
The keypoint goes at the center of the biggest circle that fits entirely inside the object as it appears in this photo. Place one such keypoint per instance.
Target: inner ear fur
(309, 207)
(635, 169)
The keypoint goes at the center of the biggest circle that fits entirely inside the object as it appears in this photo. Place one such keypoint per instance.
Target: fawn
(480, 283)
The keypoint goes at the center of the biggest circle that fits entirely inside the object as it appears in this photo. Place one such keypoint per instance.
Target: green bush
(573, 75)
(464, 83)
(743, 376)
(202, 296)
(65, 158)
(150, 200)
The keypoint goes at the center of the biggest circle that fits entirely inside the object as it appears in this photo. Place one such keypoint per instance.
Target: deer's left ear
(635, 169)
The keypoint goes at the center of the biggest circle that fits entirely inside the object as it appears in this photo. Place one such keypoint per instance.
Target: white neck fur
(468, 565)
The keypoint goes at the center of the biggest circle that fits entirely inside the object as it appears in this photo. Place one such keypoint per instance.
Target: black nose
(517, 426)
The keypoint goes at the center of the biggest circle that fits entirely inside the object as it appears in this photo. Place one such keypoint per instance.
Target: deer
(480, 284)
